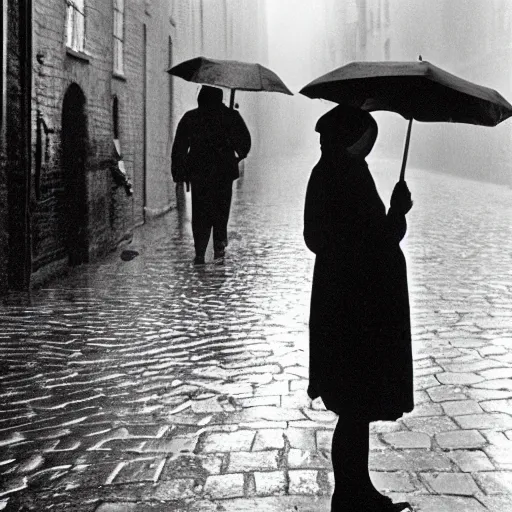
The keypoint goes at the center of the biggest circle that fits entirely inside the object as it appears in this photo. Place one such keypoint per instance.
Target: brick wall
(159, 184)
(130, 95)
(13, 157)
(9, 145)
(111, 213)
(54, 71)
(224, 28)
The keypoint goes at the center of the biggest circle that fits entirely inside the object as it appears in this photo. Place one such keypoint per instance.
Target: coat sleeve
(316, 221)
(341, 214)
(240, 136)
(396, 224)
(180, 149)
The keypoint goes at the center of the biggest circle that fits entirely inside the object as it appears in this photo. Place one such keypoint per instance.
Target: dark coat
(360, 335)
(206, 145)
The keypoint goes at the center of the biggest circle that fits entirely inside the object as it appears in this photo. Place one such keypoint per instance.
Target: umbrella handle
(406, 150)
(232, 99)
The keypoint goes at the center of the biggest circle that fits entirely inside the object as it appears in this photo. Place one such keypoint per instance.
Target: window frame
(75, 31)
(118, 37)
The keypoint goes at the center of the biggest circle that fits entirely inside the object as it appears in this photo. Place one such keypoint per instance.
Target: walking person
(360, 335)
(209, 143)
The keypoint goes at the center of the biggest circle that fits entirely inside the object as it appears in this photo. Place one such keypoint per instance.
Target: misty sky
(465, 37)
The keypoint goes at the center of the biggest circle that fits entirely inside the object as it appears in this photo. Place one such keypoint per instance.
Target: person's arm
(342, 214)
(316, 216)
(240, 136)
(179, 151)
(397, 224)
(400, 205)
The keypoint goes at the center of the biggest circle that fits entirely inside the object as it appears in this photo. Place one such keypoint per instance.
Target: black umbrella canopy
(233, 74)
(415, 90)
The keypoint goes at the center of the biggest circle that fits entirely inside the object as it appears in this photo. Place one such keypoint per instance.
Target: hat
(347, 124)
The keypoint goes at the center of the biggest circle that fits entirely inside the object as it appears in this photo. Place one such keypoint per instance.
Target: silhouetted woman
(360, 336)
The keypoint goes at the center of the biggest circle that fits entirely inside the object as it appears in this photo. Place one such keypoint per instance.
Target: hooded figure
(360, 334)
(209, 142)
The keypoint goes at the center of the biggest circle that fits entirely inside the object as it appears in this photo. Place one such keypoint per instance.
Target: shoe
(219, 254)
(366, 504)
(199, 260)
(387, 505)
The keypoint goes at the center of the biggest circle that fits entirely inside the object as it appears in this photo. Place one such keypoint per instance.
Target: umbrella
(232, 74)
(415, 90)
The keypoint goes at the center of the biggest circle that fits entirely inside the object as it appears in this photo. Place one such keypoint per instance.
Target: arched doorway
(74, 156)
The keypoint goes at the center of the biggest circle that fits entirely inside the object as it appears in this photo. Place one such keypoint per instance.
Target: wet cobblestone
(154, 385)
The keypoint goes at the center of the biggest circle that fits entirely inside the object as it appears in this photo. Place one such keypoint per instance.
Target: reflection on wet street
(124, 376)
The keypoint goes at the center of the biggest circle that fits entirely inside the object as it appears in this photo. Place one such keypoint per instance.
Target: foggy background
(470, 38)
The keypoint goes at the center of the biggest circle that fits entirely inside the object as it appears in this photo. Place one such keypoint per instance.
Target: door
(74, 158)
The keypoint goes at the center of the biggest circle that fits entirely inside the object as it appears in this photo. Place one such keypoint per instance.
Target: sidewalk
(151, 385)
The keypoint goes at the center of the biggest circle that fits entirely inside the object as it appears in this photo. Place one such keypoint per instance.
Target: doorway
(74, 142)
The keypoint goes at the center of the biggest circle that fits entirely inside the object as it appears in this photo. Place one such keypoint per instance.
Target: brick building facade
(15, 60)
(104, 112)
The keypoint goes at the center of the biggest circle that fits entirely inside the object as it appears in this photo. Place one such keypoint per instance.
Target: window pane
(80, 25)
(118, 35)
(69, 27)
(118, 56)
(74, 44)
(118, 25)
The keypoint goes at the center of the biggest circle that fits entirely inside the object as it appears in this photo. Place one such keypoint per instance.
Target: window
(118, 36)
(75, 25)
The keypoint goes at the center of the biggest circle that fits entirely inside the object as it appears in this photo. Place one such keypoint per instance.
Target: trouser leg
(221, 217)
(201, 219)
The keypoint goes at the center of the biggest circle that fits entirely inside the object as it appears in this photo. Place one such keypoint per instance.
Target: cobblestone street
(154, 385)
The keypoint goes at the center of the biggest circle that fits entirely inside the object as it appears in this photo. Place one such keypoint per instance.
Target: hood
(350, 128)
(209, 96)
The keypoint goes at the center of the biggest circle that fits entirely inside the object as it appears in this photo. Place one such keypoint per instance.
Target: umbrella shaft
(232, 99)
(406, 150)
